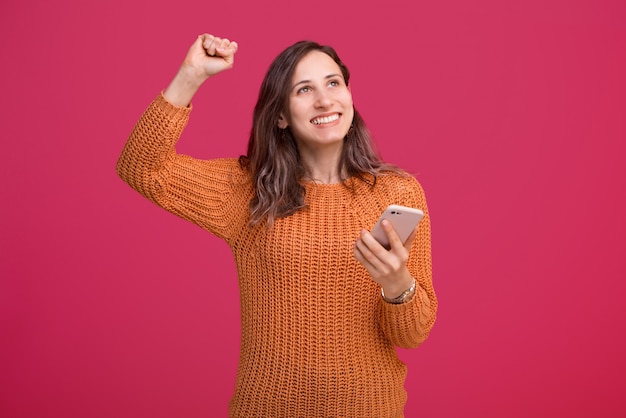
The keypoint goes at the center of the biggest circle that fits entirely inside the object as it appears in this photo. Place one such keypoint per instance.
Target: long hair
(273, 158)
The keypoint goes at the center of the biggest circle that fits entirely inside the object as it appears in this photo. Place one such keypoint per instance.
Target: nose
(322, 98)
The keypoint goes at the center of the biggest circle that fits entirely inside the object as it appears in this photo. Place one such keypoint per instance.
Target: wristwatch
(404, 296)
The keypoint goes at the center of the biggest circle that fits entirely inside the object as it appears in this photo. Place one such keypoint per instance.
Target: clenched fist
(209, 55)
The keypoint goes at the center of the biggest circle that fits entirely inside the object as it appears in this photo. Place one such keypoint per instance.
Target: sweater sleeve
(209, 193)
(407, 325)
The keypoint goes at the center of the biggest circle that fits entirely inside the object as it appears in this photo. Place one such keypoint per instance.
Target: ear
(282, 122)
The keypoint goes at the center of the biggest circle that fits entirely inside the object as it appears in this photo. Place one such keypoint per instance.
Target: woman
(323, 304)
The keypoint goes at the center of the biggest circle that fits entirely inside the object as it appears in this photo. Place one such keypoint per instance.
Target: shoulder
(372, 195)
(399, 186)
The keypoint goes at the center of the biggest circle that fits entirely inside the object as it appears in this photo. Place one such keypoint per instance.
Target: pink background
(510, 113)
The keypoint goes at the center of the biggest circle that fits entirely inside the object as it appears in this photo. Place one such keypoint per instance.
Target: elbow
(128, 174)
(409, 345)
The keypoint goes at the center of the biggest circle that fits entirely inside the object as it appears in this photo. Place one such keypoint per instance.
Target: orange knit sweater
(317, 338)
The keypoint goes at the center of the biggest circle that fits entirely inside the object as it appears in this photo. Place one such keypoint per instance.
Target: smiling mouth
(325, 119)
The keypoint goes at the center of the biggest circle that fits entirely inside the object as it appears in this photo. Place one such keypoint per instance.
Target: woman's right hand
(208, 56)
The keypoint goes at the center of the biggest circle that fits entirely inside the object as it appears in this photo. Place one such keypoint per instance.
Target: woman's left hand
(386, 267)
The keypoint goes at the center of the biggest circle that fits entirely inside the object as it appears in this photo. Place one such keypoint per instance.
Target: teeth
(325, 119)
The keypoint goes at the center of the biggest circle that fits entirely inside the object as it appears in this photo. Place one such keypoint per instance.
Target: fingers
(395, 244)
(369, 252)
(361, 258)
(215, 46)
(231, 47)
(209, 43)
(377, 256)
(392, 236)
(384, 267)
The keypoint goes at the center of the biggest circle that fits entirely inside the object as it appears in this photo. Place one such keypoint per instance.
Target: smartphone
(402, 218)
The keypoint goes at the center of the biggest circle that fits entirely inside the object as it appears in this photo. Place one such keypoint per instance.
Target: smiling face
(320, 107)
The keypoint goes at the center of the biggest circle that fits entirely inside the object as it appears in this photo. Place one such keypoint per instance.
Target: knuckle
(396, 264)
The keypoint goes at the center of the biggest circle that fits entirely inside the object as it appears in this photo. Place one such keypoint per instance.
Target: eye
(304, 89)
(334, 83)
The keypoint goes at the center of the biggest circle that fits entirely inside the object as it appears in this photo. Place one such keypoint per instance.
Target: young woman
(323, 304)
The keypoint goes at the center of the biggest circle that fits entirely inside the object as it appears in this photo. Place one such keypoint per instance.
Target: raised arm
(151, 144)
(190, 188)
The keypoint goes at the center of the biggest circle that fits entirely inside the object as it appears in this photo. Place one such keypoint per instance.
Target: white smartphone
(402, 218)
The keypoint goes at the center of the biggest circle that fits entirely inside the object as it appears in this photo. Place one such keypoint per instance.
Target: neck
(324, 179)
(322, 164)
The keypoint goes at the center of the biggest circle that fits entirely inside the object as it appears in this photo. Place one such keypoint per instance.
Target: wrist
(402, 296)
(396, 287)
(191, 75)
(184, 86)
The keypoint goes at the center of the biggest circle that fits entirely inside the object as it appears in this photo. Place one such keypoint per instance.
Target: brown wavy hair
(273, 157)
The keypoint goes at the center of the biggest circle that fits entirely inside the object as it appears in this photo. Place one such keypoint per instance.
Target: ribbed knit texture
(317, 338)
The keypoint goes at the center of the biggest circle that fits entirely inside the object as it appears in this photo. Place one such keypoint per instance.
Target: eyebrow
(308, 81)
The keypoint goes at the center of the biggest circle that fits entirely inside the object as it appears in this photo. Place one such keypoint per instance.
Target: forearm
(407, 325)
